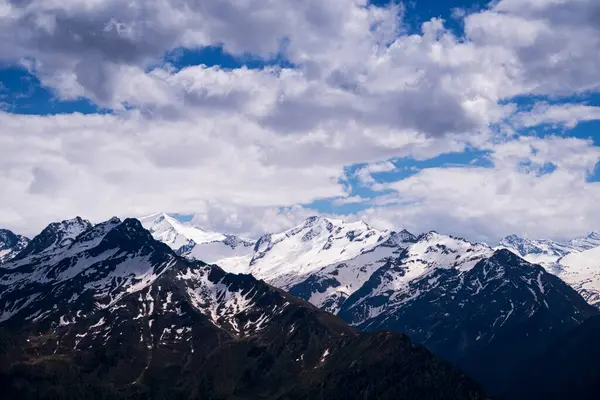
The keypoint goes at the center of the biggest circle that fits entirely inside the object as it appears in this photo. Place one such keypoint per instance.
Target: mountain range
(322, 250)
(176, 296)
(483, 308)
(108, 312)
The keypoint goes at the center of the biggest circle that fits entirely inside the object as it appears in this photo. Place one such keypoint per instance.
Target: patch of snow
(98, 324)
(324, 356)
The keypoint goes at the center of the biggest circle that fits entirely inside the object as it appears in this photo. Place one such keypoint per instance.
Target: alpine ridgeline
(486, 310)
(108, 312)
(576, 261)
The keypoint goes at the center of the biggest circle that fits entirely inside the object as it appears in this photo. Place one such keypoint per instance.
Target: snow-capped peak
(69, 229)
(587, 242)
(177, 234)
(537, 251)
(282, 258)
(522, 246)
(191, 241)
(56, 235)
(11, 244)
(434, 250)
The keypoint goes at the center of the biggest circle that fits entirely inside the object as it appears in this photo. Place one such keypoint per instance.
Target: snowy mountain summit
(176, 234)
(189, 240)
(575, 261)
(282, 259)
(540, 247)
(11, 244)
(326, 260)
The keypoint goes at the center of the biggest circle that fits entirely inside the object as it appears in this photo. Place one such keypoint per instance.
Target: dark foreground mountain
(488, 319)
(568, 368)
(110, 313)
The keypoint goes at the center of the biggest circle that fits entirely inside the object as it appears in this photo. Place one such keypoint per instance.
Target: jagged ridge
(119, 313)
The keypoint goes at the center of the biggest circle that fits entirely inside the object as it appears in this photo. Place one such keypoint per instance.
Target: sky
(474, 119)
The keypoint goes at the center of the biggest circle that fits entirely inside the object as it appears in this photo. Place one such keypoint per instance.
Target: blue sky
(22, 93)
(267, 114)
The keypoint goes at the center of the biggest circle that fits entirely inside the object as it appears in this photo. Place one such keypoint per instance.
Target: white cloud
(250, 222)
(364, 175)
(554, 45)
(349, 200)
(569, 115)
(54, 167)
(237, 145)
(486, 203)
(82, 46)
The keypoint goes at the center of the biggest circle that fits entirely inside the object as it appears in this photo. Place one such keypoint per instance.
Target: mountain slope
(582, 271)
(329, 287)
(11, 244)
(393, 284)
(567, 369)
(486, 318)
(113, 313)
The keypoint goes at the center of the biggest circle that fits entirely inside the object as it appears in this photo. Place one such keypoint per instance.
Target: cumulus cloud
(243, 147)
(554, 44)
(569, 115)
(82, 45)
(104, 165)
(487, 203)
(250, 222)
(364, 175)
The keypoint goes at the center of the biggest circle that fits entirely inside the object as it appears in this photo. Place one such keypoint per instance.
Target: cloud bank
(249, 149)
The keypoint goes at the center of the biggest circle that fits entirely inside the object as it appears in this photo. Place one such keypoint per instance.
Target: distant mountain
(567, 369)
(547, 252)
(11, 244)
(287, 258)
(538, 251)
(110, 312)
(282, 259)
(228, 251)
(586, 242)
(486, 315)
(330, 286)
(575, 261)
(582, 271)
(484, 310)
